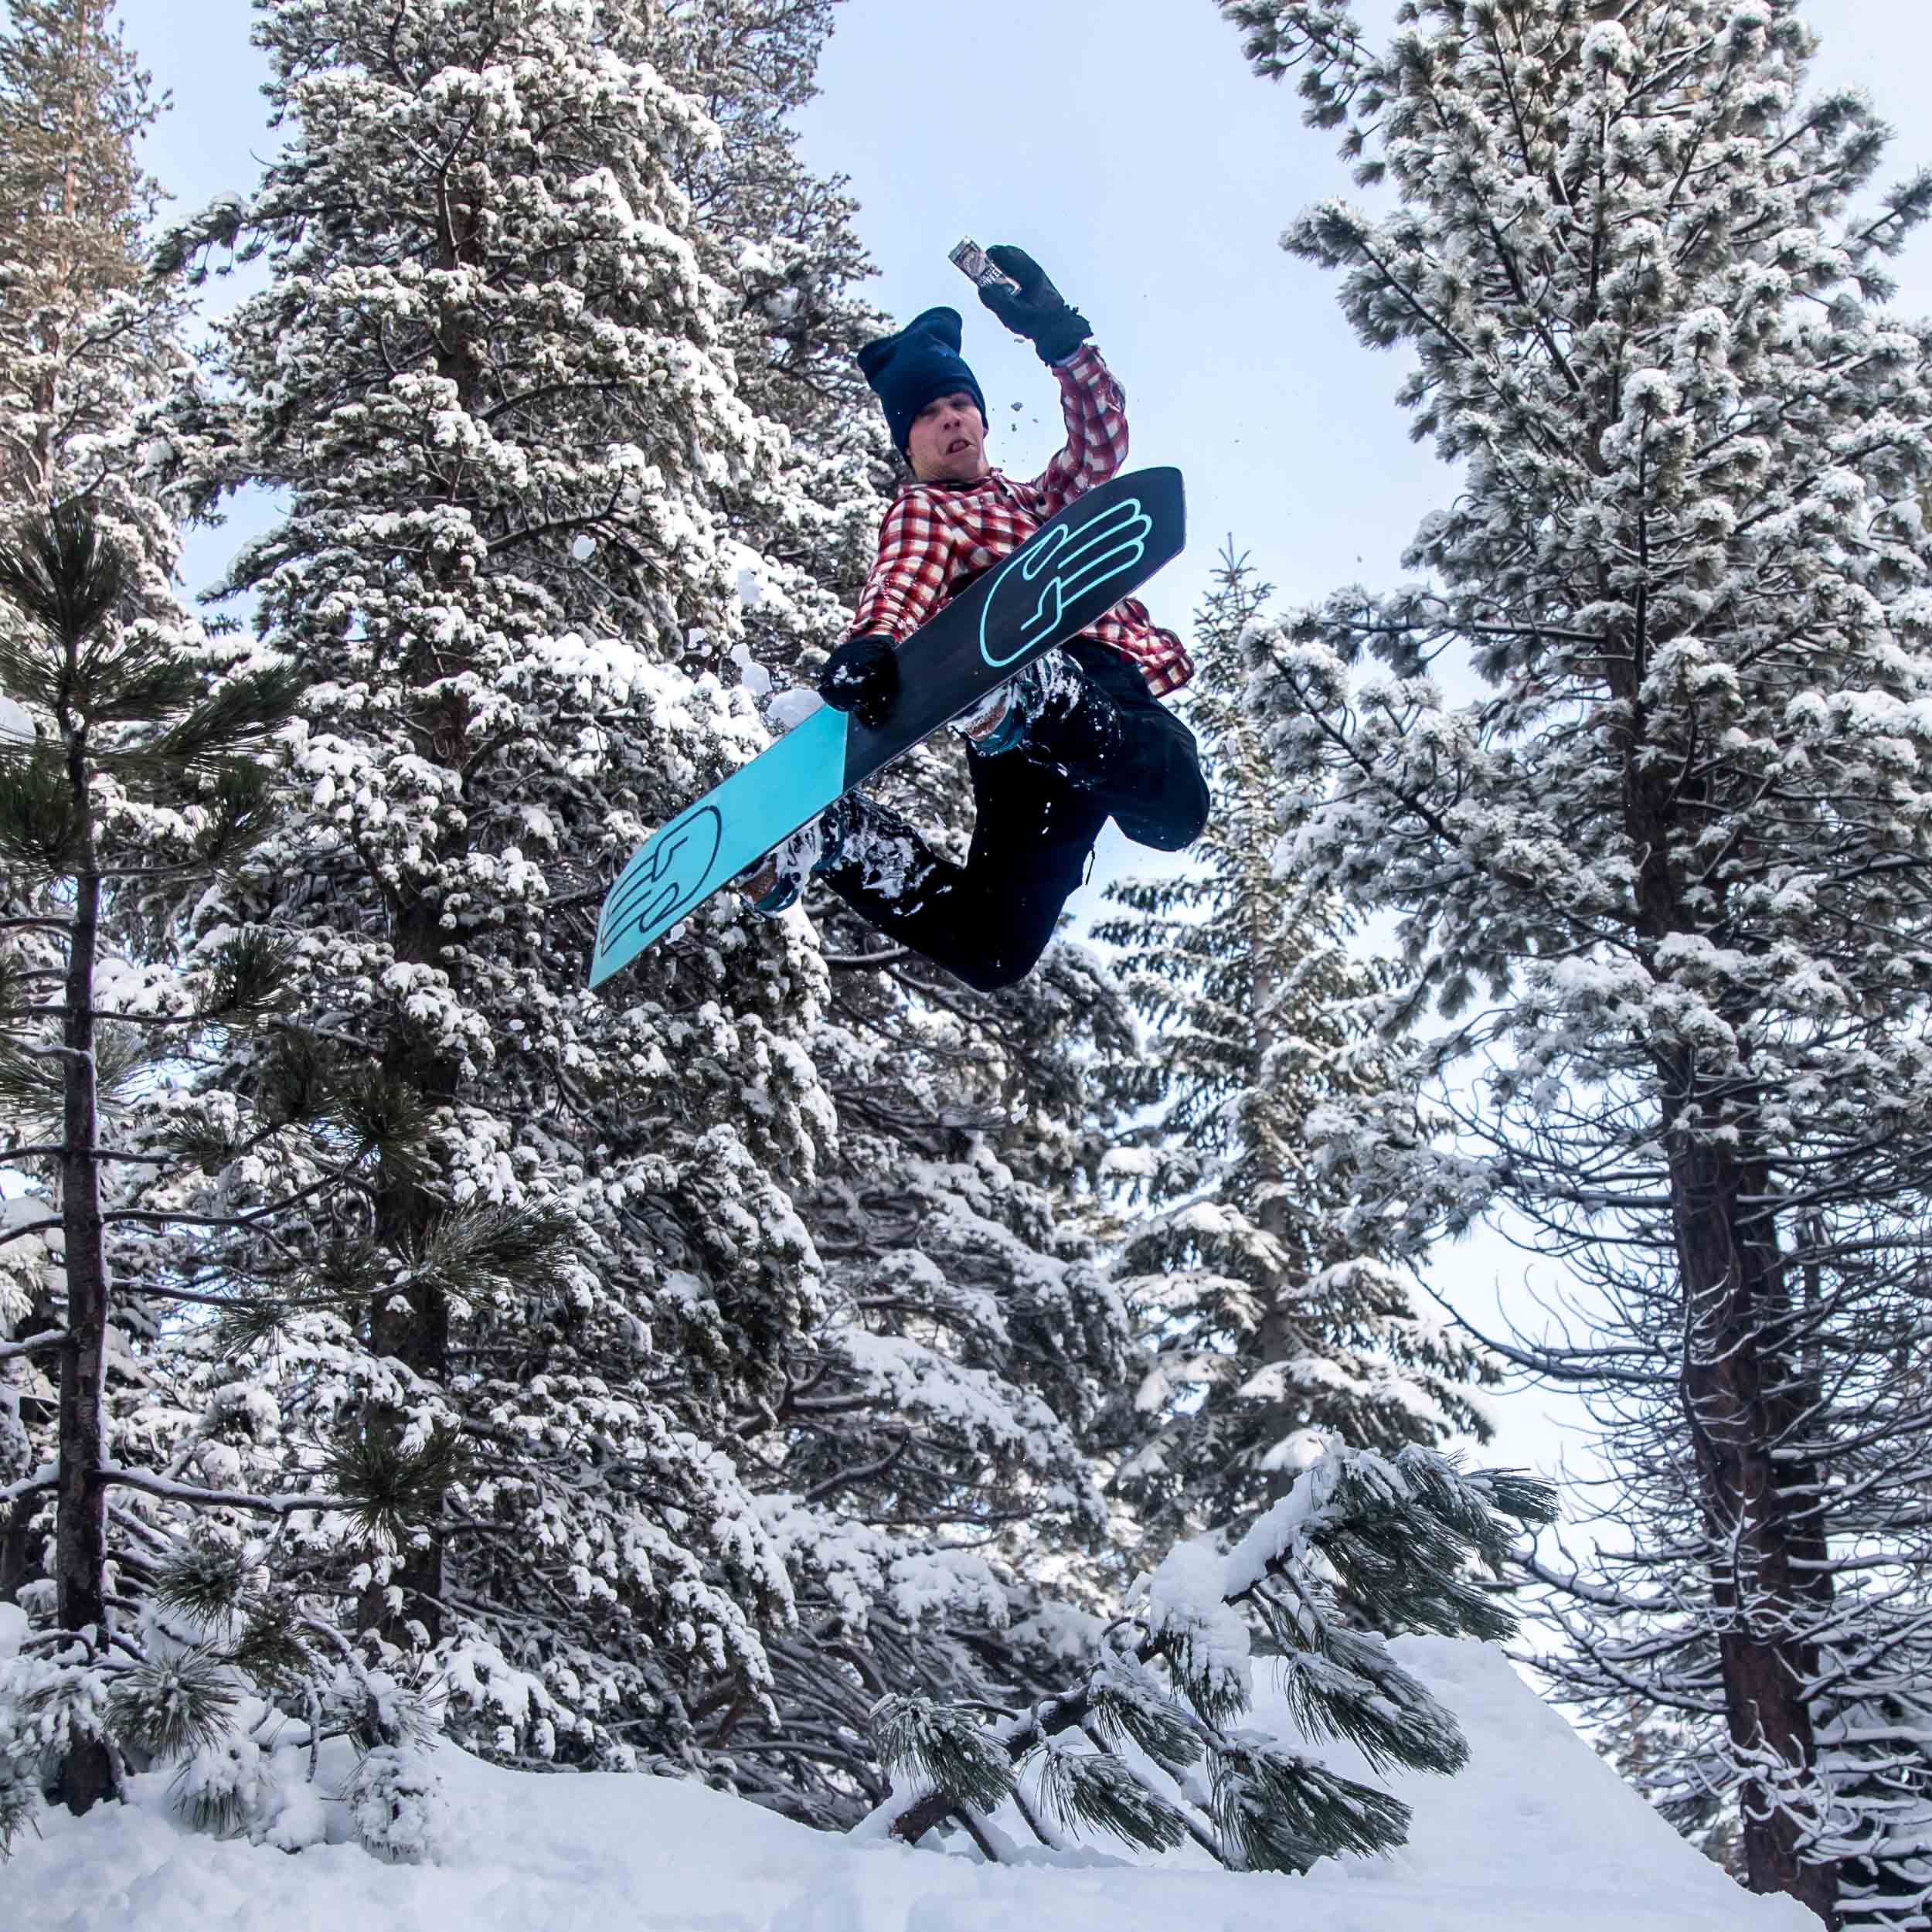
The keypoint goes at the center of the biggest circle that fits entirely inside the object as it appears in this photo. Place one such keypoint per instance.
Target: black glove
(861, 676)
(1039, 311)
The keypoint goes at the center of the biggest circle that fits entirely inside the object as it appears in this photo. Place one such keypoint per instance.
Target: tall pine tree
(1266, 1299)
(149, 1629)
(489, 376)
(1661, 887)
(102, 671)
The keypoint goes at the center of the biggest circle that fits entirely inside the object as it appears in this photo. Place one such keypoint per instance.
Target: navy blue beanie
(922, 361)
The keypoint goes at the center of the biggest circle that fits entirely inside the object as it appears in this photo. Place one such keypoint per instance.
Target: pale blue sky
(1124, 143)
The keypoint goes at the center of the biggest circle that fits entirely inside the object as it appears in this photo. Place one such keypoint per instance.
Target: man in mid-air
(1078, 737)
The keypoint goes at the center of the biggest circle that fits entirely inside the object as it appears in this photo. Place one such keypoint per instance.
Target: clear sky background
(1126, 144)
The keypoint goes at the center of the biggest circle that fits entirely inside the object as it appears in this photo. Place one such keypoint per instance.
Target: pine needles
(1168, 1685)
(388, 1485)
(168, 1708)
(1095, 1791)
(946, 1746)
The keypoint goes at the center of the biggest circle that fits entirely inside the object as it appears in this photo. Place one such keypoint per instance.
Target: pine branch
(864, 1472)
(254, 1218)
(67, 1056)
(284, 1505)
(211, 1019)
(56, 1150)
(1400, 1553)
(44, 1478)
(20, 1232)
(34, 1345)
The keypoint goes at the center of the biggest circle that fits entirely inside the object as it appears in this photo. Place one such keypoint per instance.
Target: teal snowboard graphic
(1101, 548)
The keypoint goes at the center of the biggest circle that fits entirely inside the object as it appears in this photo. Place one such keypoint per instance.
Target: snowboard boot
(1054, 681)
(774, 884)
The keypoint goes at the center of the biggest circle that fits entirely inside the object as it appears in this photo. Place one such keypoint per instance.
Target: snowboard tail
(789, 784)
(1072, 570)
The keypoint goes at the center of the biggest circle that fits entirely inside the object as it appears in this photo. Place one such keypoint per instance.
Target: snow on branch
(1395, 1534)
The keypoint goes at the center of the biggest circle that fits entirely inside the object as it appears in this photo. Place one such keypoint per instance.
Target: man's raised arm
(1093, 403)
(1095, 407)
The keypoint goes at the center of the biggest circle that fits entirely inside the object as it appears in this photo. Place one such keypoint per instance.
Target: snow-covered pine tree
(89, 354)
(72, 199)
(781, 243)
(144, 763)
(786, 238)
(88, 339)
(928, 1466)
(1263, 1298)
(489, 377)
(1143, 1743)
(1661, 887)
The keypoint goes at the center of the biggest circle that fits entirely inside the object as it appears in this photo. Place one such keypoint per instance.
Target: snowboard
(1102, 547)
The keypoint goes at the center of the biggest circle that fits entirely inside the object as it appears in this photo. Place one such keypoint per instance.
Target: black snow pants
(1039, 807)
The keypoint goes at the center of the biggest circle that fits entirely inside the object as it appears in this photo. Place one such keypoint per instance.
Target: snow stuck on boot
(1051, 687)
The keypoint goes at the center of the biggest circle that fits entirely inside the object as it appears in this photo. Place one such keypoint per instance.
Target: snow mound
(1537, 1833)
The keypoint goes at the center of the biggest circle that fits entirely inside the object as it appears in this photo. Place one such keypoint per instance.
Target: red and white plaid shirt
(938, 537)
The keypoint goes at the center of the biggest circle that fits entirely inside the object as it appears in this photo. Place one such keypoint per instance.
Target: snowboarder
(1078, 737)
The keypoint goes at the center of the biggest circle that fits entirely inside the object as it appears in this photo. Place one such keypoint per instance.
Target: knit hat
(909, 370)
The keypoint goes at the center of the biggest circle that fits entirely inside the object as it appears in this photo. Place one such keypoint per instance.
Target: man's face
(947, 443)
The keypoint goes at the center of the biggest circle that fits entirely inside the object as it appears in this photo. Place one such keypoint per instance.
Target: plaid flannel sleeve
(1095, 407)
(909, 575)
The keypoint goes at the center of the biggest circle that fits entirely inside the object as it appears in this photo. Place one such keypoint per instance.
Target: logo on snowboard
(672, 872)
(1080, 560)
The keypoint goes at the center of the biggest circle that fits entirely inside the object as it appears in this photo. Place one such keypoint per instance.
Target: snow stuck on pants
(1537, 1833)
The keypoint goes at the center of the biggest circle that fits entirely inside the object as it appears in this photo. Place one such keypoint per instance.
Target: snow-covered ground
(1536, 1833)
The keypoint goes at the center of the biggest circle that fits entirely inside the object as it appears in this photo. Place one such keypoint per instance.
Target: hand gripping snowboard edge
(1073, 570)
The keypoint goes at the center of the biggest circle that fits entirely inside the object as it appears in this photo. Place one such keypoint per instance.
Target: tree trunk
(1739, 1391)
(1276, 1336)
(86, 1772)
(412, 1327)
(1740, 1385)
